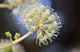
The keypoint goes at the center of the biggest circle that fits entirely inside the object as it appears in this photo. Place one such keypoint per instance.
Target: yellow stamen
(25, 14)
(41, 25)
(23, 20)
(32, 28)
(51, 18)
(40, 36)
(51, 27)
(27, 20)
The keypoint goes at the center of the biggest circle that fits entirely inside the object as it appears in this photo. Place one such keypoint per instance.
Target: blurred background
(69, 37)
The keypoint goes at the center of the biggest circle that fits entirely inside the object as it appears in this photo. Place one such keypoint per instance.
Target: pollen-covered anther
(28, 20)
(32, 28)
(40, 36)
(50, 27)
(26, 26)
(23, 20)
(51, 18)
(25, 14)
(41, 25)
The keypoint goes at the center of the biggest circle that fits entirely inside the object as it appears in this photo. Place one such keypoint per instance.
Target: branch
(11, 5)
(18, 40)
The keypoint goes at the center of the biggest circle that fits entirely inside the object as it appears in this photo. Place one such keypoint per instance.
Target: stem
(11, 5)
(18, 40)
(11, 40)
